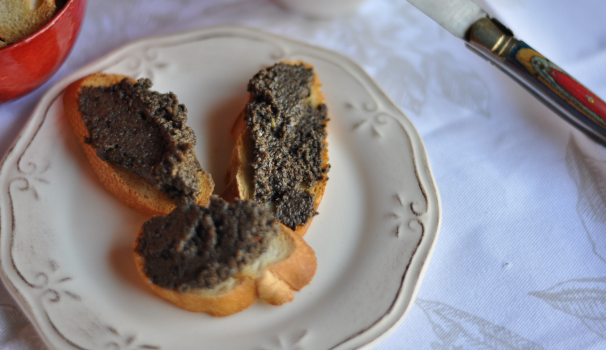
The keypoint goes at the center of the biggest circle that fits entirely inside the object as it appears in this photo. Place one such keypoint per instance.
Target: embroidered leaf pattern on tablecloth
(460, 330)
(589, 175)
(583, 298)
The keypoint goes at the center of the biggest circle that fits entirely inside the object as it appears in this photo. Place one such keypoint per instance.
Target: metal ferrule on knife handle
(548, 82)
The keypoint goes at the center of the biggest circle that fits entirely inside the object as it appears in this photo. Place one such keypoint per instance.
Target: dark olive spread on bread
(295, 208)
(196, 247)
(288, 135)
(144, 132)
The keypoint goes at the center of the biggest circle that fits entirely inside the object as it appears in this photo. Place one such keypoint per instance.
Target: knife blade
(491, 40)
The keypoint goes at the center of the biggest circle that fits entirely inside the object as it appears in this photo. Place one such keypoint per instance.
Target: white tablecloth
(521, 258)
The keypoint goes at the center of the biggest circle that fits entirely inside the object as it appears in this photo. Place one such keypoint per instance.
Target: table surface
(521, 256)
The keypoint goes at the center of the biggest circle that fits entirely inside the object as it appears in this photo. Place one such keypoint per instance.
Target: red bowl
(27, 64)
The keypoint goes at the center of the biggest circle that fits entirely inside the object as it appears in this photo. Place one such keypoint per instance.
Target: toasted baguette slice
(286, 265)
(126, 185)
(239, 175)
(20, 18)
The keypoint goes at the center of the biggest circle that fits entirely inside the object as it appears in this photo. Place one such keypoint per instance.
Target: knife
(496, 43)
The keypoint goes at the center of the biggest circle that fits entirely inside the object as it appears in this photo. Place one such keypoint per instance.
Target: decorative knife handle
(558, 82)
(551, 84)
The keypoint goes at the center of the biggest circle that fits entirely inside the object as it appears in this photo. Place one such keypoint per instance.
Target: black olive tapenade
(143, 131)
(288, 136)
(196, 247)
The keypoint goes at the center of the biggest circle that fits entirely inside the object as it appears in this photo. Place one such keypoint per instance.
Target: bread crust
(300, 267)
(239, 175)
(274, 285)
(236, 300)
(133, 190)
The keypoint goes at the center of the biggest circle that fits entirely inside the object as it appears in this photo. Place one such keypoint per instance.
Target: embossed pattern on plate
(66, 242)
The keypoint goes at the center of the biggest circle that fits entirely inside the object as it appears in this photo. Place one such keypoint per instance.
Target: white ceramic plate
(66, 242)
